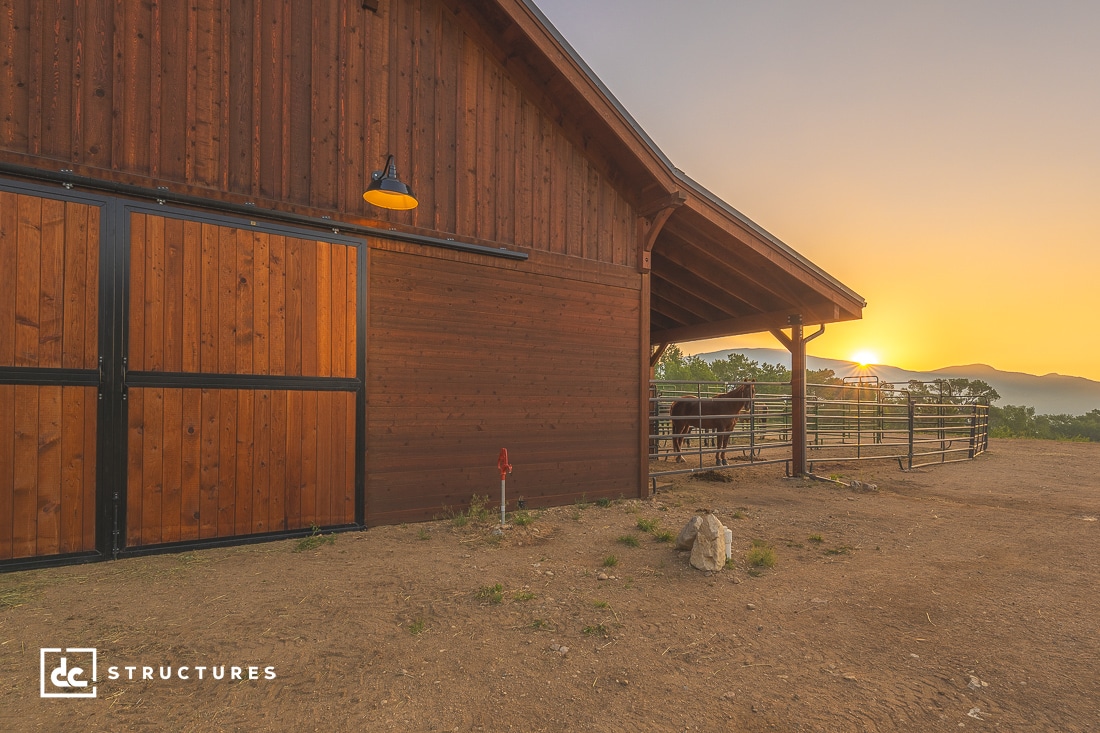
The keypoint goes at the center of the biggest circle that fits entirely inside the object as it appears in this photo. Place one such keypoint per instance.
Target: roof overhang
(714, 272)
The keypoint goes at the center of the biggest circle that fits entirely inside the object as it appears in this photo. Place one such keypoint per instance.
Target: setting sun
(865, 358)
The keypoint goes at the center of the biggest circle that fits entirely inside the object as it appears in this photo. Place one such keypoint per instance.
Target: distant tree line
(1010, 421)
(674, 365)
(735, 368)
(1016, 421)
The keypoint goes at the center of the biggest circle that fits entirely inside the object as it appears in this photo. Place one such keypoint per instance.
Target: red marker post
(505, 469)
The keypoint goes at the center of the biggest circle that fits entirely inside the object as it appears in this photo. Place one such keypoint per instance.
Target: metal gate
(844, 422)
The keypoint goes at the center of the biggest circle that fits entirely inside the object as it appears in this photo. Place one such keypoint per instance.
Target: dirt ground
(954, 597)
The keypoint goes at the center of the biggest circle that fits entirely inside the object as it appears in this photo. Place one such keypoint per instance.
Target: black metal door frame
(121, 378)
(112, 379)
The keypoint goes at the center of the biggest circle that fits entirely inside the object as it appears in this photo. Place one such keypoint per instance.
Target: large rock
(686, 538)
(709, 550)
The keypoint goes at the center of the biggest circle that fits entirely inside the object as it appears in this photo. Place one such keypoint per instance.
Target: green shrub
(761, 555)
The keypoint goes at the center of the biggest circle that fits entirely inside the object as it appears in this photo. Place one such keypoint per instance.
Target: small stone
(976, 684)
(563, 650)
(750, 606)
(601, 576)
(686, 539)
(548, 572)
(709, 551)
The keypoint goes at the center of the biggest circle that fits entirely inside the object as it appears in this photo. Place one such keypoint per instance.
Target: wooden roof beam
(747, 263)
(693, 303)
(745, 324)
(691, 288)
(703, 267)
(661, 302)
(661, 322)
(778, 254)
(651, 220)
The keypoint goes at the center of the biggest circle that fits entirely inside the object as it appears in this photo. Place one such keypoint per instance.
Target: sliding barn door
(240, 380)
(49, 358)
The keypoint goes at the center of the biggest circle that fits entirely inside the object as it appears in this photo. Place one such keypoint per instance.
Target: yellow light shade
(388, 191)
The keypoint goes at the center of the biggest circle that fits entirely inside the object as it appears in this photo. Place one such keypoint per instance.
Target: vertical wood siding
(49, 282)
(216, 299)
(49, 306)
(209, 463)
(297, 103)
(47, 470)
(466, 359)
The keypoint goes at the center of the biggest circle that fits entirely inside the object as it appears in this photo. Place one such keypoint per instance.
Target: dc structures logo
(67, 672)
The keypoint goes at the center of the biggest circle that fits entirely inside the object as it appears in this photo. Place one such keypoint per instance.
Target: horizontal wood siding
(285, 102)
(47, 470)
(465, 359)
(207, 463)
(49, 282)
(217, 299)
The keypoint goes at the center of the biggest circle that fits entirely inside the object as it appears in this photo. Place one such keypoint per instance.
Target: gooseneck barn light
(388, 191)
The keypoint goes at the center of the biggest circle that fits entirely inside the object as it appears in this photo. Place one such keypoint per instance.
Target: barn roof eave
(772, 241)
(677, 175)
(631, 125)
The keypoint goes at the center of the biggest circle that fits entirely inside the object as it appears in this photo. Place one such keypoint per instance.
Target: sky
(940, 158)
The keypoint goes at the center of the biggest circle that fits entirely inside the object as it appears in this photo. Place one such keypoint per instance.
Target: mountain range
(1050, 394)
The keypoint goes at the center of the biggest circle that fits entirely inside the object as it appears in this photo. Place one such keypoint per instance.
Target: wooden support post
(796, 344)
(645, 374)
(798, 400)
(651, 220)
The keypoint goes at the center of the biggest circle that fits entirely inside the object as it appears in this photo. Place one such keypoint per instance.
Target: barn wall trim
(164, 196)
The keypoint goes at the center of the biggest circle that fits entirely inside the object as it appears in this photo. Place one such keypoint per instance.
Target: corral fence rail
(862, 419)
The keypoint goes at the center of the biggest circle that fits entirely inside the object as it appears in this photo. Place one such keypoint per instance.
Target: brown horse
(718, 413)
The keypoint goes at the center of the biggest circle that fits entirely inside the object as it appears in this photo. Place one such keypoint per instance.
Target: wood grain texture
(49, 282)
(465, 359)
(214, 299)
(49, 263)
(297, 104)
(208, 463)
(224, 463)
(47, 470)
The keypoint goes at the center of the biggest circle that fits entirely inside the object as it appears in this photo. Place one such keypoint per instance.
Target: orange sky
(942, 159)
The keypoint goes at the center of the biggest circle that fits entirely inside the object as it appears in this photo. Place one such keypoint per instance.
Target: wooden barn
(208, 335)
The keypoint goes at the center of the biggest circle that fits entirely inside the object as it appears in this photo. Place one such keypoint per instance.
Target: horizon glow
(865, 358)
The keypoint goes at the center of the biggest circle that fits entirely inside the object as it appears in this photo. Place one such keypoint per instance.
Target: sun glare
(865, 358)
